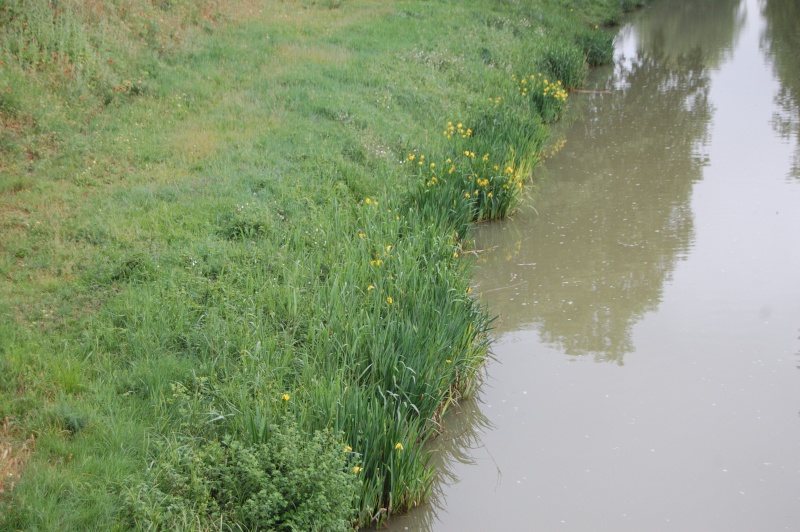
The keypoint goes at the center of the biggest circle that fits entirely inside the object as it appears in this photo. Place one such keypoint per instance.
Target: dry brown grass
(14, 453)
(196, 144)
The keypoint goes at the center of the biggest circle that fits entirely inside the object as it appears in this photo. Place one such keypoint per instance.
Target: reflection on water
(614, 214)
(680, 28)
(665, 239)
(781, 42)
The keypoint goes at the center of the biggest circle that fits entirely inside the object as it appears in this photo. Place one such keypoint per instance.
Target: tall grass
(234, 226)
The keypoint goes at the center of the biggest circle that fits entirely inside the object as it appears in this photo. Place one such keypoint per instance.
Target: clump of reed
(547, 97)
(479, 174)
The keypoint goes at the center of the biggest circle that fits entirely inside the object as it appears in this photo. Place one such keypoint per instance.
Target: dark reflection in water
(781, 43)
(614, 215)
(680, 28)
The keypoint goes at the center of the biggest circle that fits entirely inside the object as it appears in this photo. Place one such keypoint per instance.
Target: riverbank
(232, 244)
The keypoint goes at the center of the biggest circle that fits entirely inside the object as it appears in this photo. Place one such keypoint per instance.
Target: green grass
(219, 230)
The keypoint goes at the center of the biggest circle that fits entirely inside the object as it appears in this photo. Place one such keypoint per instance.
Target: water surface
(648, 340)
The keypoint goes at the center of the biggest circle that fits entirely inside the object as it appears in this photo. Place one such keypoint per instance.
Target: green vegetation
(232, 283)
(286, 483)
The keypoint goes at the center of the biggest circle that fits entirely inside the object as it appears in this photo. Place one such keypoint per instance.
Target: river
(645, 372)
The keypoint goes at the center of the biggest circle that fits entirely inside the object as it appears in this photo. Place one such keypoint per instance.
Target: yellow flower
(411, 156)
(389, 300)
(455, 255)
(361, 235)
(285, 397)
(370, 287)
(388, 248)
(356, 469)
(367, 201)
(448, 361)
(347, 448)
(399, 446)
(433, 165)
(489, 195)
(466, 195)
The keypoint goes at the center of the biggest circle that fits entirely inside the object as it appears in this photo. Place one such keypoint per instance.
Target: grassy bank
(233, 291)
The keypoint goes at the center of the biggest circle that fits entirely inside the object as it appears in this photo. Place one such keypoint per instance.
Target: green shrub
(293, 481)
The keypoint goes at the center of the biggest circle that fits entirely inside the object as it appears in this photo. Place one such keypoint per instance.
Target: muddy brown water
(648, 341)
